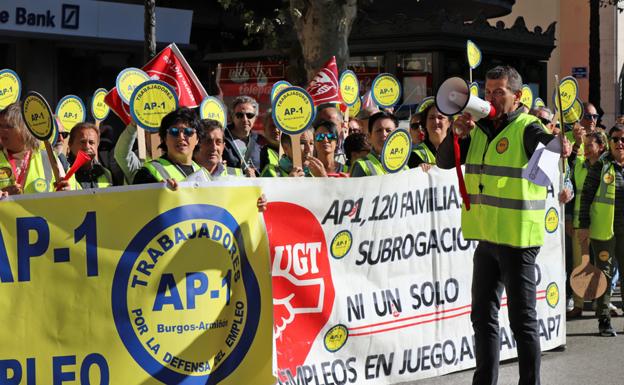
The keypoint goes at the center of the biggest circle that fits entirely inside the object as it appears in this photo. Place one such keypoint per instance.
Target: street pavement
(587, 360)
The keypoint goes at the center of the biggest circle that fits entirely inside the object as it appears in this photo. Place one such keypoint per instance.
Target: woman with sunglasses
(436, 128)
(325, 140)
(179, 137)
(601, 218)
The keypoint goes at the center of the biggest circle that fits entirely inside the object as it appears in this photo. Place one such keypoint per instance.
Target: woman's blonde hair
(12, 114)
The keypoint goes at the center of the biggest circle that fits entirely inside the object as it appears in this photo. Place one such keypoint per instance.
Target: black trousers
(497, 267)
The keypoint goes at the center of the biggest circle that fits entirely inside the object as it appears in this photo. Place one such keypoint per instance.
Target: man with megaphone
(506, 212)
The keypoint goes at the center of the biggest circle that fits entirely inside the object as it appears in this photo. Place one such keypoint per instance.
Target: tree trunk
(323, 28)
(149, 28)
(594, 53)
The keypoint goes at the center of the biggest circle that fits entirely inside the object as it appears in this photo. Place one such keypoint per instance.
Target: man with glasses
(506, 217)
(242, 145)
(590, 117)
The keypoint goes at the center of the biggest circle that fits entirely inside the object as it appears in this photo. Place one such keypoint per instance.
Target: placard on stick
(386, 90)
(213, 108)
(70, 111)
(99, 108)
(150, 102)
(10, 88)
(293, 112)
(396, 150)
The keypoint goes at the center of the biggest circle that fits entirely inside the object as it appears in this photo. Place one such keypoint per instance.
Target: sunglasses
(416, 126)
(329, 136)
(544, 121)
(187, 131)
(591, 116)
(249, 115)
(617, 139)
(64, 134)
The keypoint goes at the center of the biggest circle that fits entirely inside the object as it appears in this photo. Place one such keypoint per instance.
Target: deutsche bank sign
(96, 19)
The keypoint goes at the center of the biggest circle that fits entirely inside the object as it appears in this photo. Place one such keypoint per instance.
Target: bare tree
(149, 50)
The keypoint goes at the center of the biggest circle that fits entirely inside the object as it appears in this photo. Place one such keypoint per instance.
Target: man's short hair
(381, 115)
(207, 126)
(82, 126)
(616, 128)
(355, 143)
(244, 99)
(547, 110)
(514, 80)
(325, 106)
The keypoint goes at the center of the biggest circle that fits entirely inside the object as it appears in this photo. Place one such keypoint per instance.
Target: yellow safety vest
(424, 153)
(505, 208)
(602, 210)
(581, 167)
(39, 177)
(162, 169)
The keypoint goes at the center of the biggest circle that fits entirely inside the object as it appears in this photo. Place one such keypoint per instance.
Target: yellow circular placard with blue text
(396, 150)
(386, 90)
(568, 88)
(213, 108)
(38, 116)
(551, 220)
(474, 89)
(552, 294)
(355, 109)
(10, 88)
(574, 114)
(128, 80)
(473, 53)
(335, 338)
(349, 88)
(277, 87)
(70, 111)
(341, 244)
(538, 102)
(425, 103)
(150, 102)
(99, 108)
(527, 96)
(293, 110)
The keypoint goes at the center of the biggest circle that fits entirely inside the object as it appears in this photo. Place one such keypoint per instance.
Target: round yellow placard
(70, 111)
(569, 92)
(277, 87)
(574, 114)
(386, 90)
(150, 102)
(396, 150)
(355, 109)
(538, 102)
(425, 103)
(213, 108)
(527, 96)
(293, 110)
(349, 88)
(10, 88)
(99, 108)
(473, 53)
(128, 80)
(474, 89)
(38, 116)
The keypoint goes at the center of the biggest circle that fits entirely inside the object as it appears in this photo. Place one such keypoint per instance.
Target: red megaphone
(81, 158)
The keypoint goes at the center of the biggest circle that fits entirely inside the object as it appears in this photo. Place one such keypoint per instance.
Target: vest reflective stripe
(580, 173)
(602, 210)
(424, 153)
(505, 208)
(162, 169)
(371, 165)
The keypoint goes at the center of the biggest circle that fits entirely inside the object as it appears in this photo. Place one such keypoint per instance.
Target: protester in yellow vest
(178, 138)
(24, 167)
(595, 144)
(312, 167)
(356, 147)
(269, 154)
(380, 125)
(436, 129)
(86, 137)
(601, 218)
(506, 216)
(325, 141)
(211, 146)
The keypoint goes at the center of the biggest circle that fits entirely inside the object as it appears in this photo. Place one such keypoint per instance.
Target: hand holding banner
(150, 102)
(213, 108)
(10, 88)
(70, 111)
(396, 150)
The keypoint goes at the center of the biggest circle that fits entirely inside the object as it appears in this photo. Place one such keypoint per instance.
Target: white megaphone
(454, 97)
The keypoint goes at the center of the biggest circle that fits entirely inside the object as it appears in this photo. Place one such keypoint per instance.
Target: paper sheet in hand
(544, 164)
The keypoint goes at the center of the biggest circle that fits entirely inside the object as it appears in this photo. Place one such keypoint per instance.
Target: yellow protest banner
(142, 286)
(127, 80)
(150, 102)
(396, 150)
(71, 111)
(10, 87)
(386, 90)
(99, 108)
(473, 53)
(38, 116)
(213, 108)
(293, 110)
(349, 88)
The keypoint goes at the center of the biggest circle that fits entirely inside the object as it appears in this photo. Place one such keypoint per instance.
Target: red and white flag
(324, 87)
(171, 67)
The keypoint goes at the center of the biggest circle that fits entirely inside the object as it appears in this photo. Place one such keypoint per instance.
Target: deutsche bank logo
(70, 18)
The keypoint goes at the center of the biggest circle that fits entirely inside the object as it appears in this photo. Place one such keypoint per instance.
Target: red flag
(324, 87)
(171, 67)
